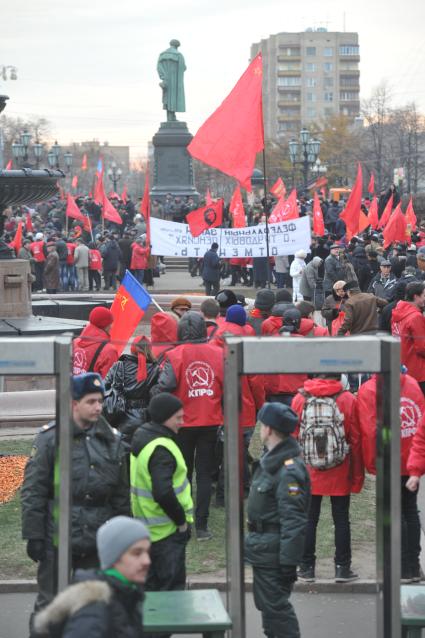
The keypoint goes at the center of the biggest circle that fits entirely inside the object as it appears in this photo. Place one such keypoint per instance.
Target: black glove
(289, 573)
(36, 549)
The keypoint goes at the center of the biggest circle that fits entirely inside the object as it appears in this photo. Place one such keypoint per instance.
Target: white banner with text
(285, 238)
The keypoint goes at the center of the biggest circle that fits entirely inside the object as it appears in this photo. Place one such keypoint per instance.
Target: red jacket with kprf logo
(196, 378)
(37, 249)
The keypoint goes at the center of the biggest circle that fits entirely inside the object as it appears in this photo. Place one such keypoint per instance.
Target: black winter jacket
(96, 606)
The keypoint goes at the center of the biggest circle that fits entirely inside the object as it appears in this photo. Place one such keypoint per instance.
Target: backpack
(322, 434)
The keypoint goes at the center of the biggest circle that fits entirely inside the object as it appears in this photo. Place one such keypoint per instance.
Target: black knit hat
(264, 299)
(163, 406)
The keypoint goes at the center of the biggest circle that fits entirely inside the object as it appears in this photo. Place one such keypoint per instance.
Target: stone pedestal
(173, 170)
(15, 288)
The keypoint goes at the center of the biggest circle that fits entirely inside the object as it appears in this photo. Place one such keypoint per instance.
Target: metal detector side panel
(27, 355)
(266, 355)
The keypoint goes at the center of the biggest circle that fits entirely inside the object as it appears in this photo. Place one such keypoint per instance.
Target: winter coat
(100, 488)
(346, 478)
(412, 408)
(297, 268)
(273, 324)
(85, 347)
(125, 248)
(81, 256)
(260, 269)
(230, 328)
(96, 606)
(332, 306)
(310, 277)
(281, 264)
(62, 250)
(416, 459)
(334, 271)
(361, 313)
(279, 497)
(95, 259)
(408, 323)
(111, 255)
(211, 267)
(139, 257)
(51, 273)
(309, 329)
(383, 288)
(163, 331)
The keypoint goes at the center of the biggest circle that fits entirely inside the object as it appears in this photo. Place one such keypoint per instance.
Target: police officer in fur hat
(100, 485)
(278, 505)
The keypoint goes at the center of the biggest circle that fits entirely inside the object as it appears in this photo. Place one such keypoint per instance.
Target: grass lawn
(205, 557)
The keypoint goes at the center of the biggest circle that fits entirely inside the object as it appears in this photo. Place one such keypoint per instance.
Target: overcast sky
(89, 66)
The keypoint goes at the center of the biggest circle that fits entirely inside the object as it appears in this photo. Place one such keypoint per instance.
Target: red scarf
(142, 371)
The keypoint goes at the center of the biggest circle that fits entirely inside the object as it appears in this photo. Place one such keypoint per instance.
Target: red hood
(163, 330)
(322, 387)
(306, 326)
(271, 326)
(403, 310)
(92, 334)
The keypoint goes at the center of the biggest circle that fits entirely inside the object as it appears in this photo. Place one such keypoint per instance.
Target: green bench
(412, 610)
(198, 611)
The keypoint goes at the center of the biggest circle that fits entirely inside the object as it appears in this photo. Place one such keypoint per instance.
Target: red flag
(320, 181)
(395, 230)
(371, 187)
(84, 162)
(233, 135)
(237, 209)
(9, 165)
(205, 218)
(278, 189)
(373, 214)
(128, 307)
(208, 198)
(28, 224)
(74, 182)
(387, 213)
(410, 216)
(99, 191)
(285, 210)
(124, 194)
(16, 242)
(110, 212)
(72, 209)
(363, 222)
(145, 209)
(351, 212)
(318, 223)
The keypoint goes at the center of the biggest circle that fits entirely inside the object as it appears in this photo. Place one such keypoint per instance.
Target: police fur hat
(278, 416)
(264, 299)
(86, 384)
(226, 298)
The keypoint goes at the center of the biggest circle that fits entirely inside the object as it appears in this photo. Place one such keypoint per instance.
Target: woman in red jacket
(139, 258)
(337, 482)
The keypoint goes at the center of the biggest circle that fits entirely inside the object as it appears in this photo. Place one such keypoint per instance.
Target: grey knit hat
(115, 537)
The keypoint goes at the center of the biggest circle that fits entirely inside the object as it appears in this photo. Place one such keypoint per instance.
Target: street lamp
(304, 153)
(114, 175)
(68, 161)
(53, 157)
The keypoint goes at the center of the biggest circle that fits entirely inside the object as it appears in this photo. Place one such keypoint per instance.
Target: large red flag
(387, 213)
(145, 209)
(28, 223)
(110, 212)
(237, 209)
(233, 135)
(74, 182)
(16, 242)
(318, 223)
(351, 212)
(84, 162)
(278, 189)
(128, 307)
(73, 211)
(363, 222)
(285, 210)
(205, 218)
(99, 191)
(124, 194)
(371, 187)
(373, 214)
(395, 230)
(9, 165)
(410, 216)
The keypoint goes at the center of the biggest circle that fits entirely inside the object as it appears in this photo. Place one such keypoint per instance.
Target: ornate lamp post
(114, 175)
(53, 157)
(304, 153)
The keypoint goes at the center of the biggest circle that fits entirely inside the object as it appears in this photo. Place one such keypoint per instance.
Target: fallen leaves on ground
(11, 476)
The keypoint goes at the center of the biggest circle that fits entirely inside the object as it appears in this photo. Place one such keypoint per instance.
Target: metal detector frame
(278, 355)
(51, 356)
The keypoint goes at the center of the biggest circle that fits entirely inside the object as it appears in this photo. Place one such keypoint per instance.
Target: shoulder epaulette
(47, 427)
(289, 462)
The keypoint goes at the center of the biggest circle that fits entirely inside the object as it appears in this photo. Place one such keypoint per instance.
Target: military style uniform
(278, 505)
(100, 490)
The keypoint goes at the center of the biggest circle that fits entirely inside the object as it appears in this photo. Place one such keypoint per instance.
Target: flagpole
(66, 225)
(267, 219)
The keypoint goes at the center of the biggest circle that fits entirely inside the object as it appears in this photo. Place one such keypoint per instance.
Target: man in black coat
(100, 486)
(211, 270)
(105, 603)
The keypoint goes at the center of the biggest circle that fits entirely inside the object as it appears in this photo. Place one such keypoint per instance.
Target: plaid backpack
(322, 434)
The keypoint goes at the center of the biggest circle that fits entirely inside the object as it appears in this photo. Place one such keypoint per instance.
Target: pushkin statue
(171, 67)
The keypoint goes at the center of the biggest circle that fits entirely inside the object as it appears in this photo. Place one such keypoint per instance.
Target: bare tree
(375, 112)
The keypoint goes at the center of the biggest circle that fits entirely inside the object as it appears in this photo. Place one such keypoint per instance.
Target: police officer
(100, 487)
(277, 518)
(161, 492)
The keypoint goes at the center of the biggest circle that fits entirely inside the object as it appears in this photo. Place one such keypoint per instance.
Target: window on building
(348, 81)
(349, 49)
(289, 51)
(328, 82)
(311, 82)
(328, 52)
(328, 97)
(311, 50)
(289, 111)
(310, 67)
(328, 67)
(349, 66)
(348, 96)
(287, 126)
(311, 97)
(289, 81)
(289, 66)
(311, 112)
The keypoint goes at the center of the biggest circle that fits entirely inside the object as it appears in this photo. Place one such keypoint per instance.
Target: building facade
(308, 77)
